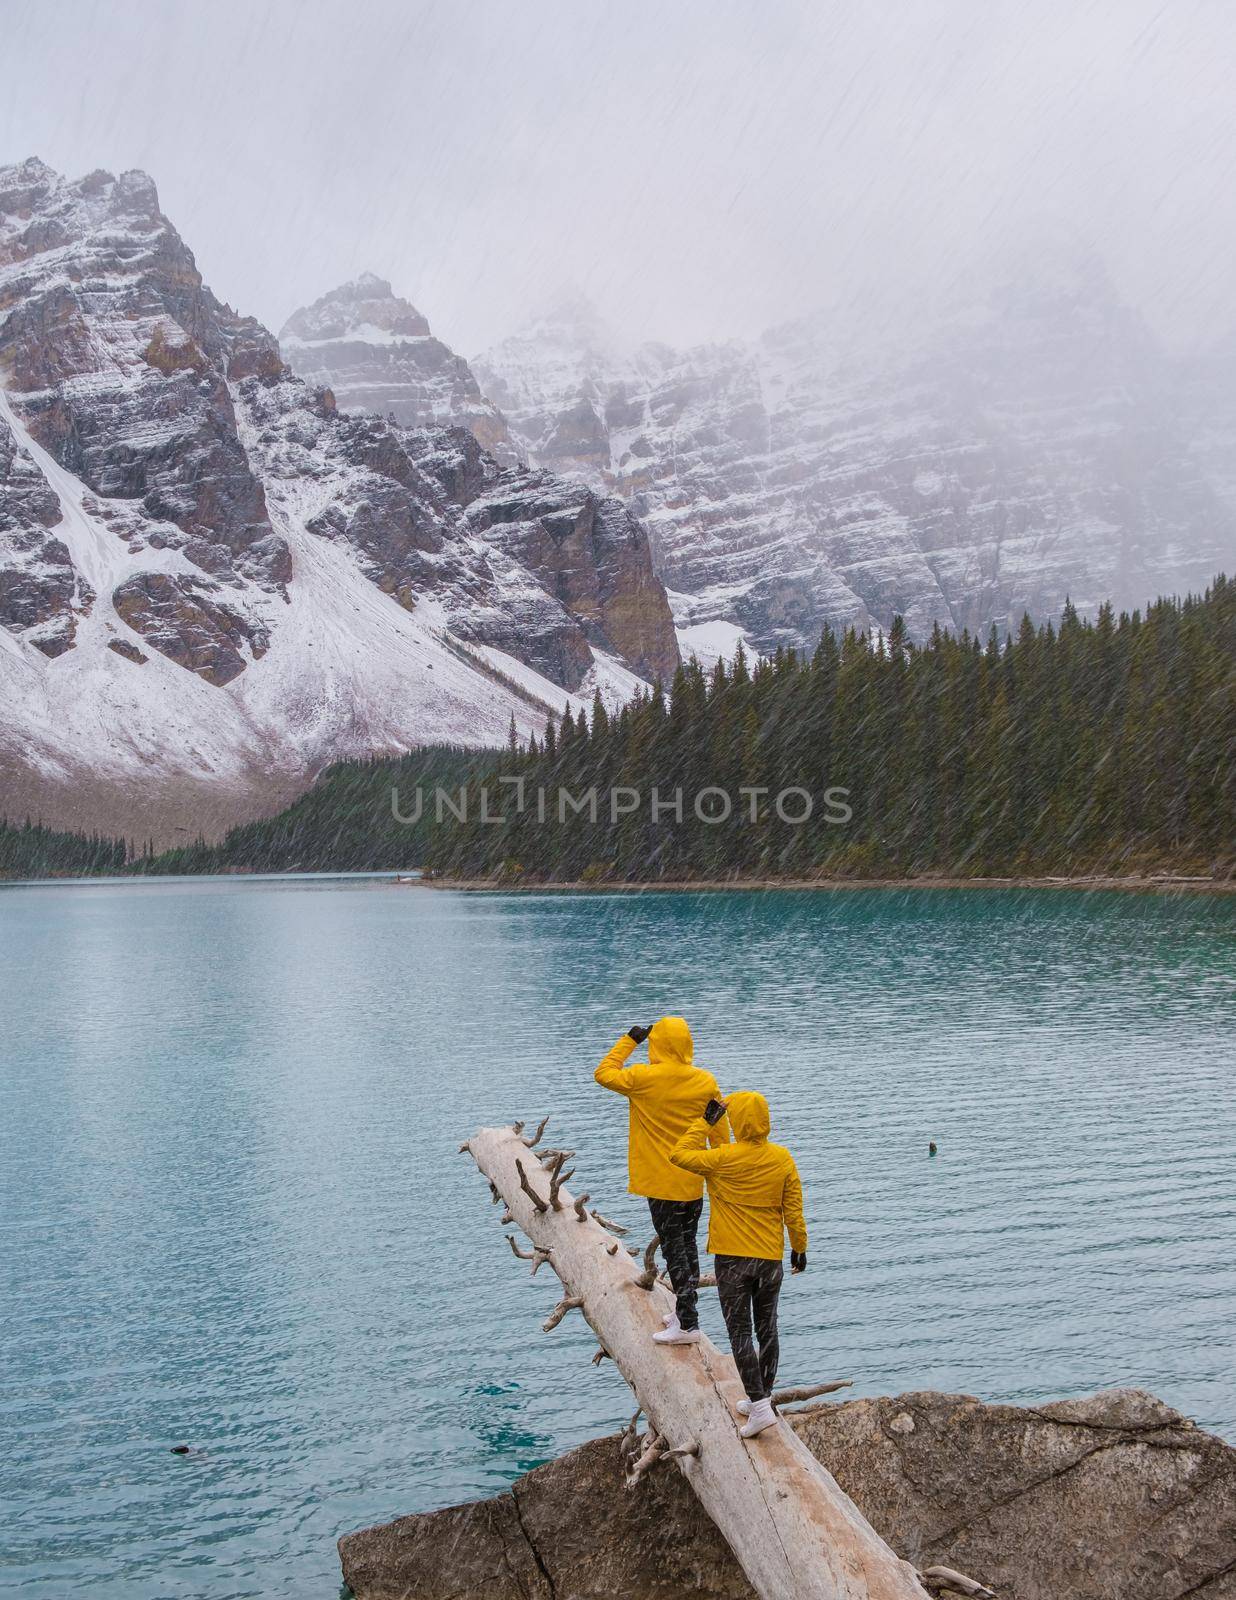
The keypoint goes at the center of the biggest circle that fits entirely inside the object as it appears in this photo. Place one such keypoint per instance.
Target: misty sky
(700, 170)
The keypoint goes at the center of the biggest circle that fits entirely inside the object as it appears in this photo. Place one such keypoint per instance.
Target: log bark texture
(796, 1535)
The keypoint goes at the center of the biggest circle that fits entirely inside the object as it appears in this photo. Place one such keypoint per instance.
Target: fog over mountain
(1029, 444)
(701, 171)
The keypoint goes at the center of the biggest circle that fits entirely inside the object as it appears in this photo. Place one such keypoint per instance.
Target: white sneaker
(670, 1319)
(677, 1335)
(760, 1416)
(743, 1408)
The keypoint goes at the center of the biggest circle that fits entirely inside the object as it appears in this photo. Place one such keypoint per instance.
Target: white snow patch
(710, 642)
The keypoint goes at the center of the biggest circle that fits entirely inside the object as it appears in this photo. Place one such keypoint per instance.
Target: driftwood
(788, 1397)
(792, 1530)
(536, 1137)
(944, 1581)
(541, 1205)
(557, 1178)
(537, 1257)
(652, 1452)
(649, 1275)
(569, 1302)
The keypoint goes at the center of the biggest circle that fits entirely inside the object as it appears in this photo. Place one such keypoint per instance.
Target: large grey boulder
(1113, 1497)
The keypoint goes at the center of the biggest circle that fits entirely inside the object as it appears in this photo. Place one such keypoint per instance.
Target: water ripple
(233, 1216)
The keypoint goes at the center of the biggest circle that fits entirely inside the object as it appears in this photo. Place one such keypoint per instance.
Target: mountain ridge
(213, 582)
(1021, 448)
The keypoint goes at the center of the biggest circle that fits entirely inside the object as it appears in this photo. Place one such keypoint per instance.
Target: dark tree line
(345, 823)
(1104, 746)
(33, 851)
(1084, 746)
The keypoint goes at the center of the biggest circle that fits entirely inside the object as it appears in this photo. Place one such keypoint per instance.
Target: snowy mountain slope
(348, 671)
(1016, 449)
(212, 583)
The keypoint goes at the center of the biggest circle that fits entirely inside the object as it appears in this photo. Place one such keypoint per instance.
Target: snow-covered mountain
(376, 353)
(213, 581)
(1025, 445)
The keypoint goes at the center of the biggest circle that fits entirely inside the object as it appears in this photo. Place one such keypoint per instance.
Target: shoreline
(1161, 883)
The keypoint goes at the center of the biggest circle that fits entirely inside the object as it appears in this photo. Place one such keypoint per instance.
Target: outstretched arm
(613, 1072)
(690, 1152)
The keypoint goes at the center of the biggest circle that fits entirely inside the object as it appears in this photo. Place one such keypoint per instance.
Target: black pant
(676, 1222)
(747, 1288)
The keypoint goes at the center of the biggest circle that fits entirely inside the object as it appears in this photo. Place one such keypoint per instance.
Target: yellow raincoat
(754, 1193)
(665, 1096)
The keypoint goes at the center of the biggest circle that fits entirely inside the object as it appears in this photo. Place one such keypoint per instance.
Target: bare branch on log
(547, 1157)
(945, 1578)
(536, 1137)
(517, 1127)
(612, 1249)
(527, 1187)
(627, 1441)
(787, 1397)
(652, 1453)
(536, 1255)
(465, 1148)
(648, 1276)
(812, 1409)
(506, 1217)
(581, 1206)
(692, 1449)
(601, 1355)
(610, 1227)
(494, 1196)
(555, 1180)
(570, 1302)
(706, 1280)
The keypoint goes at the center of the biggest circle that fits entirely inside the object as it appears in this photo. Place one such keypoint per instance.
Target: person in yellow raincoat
(664, 1096)
(754, 1198)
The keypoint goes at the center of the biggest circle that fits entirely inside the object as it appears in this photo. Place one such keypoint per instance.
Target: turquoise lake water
(232, 1214)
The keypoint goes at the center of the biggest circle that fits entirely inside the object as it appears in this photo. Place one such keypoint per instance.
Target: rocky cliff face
(1022, 449)
(1116, 1497)
(375, 352)
(212, 581)
(40, 592)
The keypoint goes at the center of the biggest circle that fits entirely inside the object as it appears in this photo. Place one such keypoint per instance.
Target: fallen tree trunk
(796, 1535)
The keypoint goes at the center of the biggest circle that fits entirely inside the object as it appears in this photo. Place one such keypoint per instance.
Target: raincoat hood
(748, 1113)
(670, 1040)
(666, 1094)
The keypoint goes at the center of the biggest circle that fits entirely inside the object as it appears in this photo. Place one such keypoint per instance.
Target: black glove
(798, 1261)
(639, 1034)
